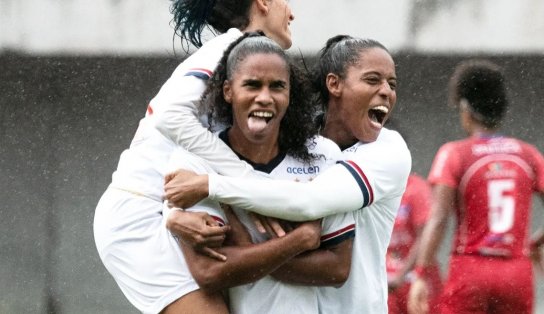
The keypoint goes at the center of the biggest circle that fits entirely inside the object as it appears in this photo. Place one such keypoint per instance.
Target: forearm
(537, 239)
(321, 267)
(334, 191)
(180, 123)
(431, 238)
(244, 264)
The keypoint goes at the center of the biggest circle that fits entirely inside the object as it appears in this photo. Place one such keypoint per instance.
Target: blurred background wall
(76, 76)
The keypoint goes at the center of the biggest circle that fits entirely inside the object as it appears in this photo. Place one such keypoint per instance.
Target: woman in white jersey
(261, 99)
(357, 82)
(128, 225)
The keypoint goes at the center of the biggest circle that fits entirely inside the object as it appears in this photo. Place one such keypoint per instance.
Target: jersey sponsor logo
(502, 147)
(200, 73)
(303, 170)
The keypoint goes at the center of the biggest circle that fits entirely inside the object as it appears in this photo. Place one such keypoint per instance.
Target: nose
(385, 89)
(264, 97)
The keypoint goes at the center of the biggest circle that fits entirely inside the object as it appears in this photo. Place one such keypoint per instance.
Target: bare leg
(198, 302)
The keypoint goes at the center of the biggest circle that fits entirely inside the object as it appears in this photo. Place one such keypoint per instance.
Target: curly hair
(192, 16)
(297, 126)
(481, 84)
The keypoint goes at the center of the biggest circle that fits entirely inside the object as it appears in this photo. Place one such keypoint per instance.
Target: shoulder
(204, 60)
(323, 146)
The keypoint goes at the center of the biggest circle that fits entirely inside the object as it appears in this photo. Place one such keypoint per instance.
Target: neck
(335, 130)
(261, 152)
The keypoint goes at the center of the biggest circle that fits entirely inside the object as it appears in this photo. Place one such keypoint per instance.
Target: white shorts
(139, 252)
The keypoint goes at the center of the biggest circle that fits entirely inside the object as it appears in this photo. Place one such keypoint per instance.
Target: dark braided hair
(482, 85)
(192, 16)
(296, 127)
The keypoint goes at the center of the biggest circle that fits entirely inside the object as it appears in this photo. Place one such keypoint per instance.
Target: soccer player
(487, 180)
(128, 222)
(357, 81)
(269, 124)
(401, 254)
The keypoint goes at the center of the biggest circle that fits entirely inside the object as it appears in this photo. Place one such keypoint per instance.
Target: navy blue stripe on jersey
(200, 73)
(360, 177)
(337, 237)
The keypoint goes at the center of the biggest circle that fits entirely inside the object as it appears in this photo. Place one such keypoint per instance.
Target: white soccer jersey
(269, 295)
(129, 229)
(369, 183)
(172, 118)
(381, 169)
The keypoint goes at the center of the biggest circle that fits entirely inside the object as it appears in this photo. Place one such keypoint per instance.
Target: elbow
(208, 279)
(341, 275)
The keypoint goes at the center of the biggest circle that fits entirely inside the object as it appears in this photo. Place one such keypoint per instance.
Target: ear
(227, 91)
(262, 6)
(334, 84)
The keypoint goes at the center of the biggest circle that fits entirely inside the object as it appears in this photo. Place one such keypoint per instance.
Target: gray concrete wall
(64, 121)
(139, 27)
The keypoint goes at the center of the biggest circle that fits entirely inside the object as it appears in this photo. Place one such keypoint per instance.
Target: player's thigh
(198, 302)
(514, 293)
(462, 291)
(142, 256)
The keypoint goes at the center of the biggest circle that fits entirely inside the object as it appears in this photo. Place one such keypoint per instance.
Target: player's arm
(333, 191)
(432, 235)
(327, 266)
(420, 204)
(537, 245)
(249, 262)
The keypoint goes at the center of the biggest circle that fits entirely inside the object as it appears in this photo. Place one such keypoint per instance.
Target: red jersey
(412, 214)
(495, 178)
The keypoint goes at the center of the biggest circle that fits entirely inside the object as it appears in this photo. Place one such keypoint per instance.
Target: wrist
(421, 272)
(535, 245)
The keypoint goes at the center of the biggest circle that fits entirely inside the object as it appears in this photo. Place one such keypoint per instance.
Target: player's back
(495, 178)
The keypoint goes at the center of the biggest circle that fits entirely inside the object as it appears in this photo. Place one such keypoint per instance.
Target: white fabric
(386, 164)
(136, 248)
(129, 228)
(268, 295)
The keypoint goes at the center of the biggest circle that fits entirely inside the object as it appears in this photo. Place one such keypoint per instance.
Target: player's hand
(238, 234)
(395, 282)
(184, 188)
(537, 258)
(272, 226)
(418, 297)
(311, 233)
(198, 230)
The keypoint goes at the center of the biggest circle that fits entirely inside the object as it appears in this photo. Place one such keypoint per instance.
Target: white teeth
(262, 114)
(382, 108)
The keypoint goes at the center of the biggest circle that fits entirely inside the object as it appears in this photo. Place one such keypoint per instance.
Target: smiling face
(258, 91)
(366, 95)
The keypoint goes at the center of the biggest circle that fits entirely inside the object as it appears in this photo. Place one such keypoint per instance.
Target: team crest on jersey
(498, 170)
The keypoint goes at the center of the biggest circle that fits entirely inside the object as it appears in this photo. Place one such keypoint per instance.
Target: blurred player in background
(487, 180)
(412, 216)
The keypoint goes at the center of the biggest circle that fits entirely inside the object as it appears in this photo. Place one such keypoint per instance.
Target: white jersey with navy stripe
(368, 183)
(381, 170)
(129, 230)
(172, 119)
(269, 295)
